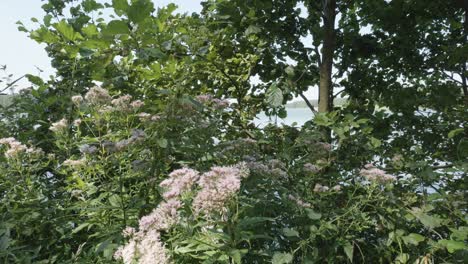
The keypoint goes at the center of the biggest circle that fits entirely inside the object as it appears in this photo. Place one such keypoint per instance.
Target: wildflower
(16, 148)
(204, 98)
(106, 109)
(299, 202)
(179, 181)
(155, 117)
(59, 126)
(336, 188)
(97, 96)
(77, 122)
(77, 99)
(122, 103)
(87, 149)
(318, 188)
(325, 146)
(162, 218)
(311, 168)
(374, 174)
(151, 250)
(74, 163)
(7, 141)
(137, 104)
(144, 116)
(220, 103)
(218, 186)
(128, 231)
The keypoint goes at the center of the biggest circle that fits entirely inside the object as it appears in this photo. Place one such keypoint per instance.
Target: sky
(22, 55)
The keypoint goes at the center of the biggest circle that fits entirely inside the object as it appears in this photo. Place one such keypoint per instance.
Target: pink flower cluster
(147, 249)
(59, 126)
(274, 168)
(217, 187)
(215, 102)
(74, 163)
(16, 148)
(309, 167)
(145, 117)
(179, 181)
(145, 245)
(373, 174)
(97, 96)
(318, 188)
(299, 201)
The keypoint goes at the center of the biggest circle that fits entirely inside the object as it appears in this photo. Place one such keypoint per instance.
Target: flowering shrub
(129, 183)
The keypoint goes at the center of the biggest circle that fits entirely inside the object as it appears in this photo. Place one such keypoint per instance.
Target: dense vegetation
(141, 148)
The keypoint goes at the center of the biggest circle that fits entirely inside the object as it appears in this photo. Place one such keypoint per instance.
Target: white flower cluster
(16, 148)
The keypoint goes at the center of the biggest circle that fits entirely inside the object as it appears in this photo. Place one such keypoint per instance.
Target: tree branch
(308, 102)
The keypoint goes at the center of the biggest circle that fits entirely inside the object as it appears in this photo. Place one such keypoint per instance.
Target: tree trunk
(463, 73)
(328, 49)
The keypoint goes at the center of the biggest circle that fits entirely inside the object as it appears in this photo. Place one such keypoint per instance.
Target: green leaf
(90, 30)
(274, 96)
(429, 221)
(289, 71)
(452, 245)
(282, 258)
(67, 31)
(455, 132)
(252, 30)
(349, 251)
(375, 143)
(413, 239)
(140, 10)
(162, 142)
(116, 27)
(91, 5)
(115, 200)
(321, 119)
(289, 232)
(402, 258)
(120, 6)
(313, 215)
(35, 79)
(79, 228)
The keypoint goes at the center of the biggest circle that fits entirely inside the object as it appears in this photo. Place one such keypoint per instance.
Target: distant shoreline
(302, 104)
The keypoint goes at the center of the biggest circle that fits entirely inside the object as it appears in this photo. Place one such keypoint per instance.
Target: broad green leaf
(349, 250)
(313, 215)
(252, 29)
(282, 258)
(289, 232)
(120, 6)
(139, 10)
(116, 27)
(67, 31)
(413, 239)
(402, 258)
(289, 71)
(115, 200)
(162, 142)
(375, 142)
(91, 5)
(274, 96)
(90, 30)
(455, 132)
(452, 245)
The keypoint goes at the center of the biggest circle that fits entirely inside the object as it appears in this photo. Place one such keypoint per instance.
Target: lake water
(295, 115)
